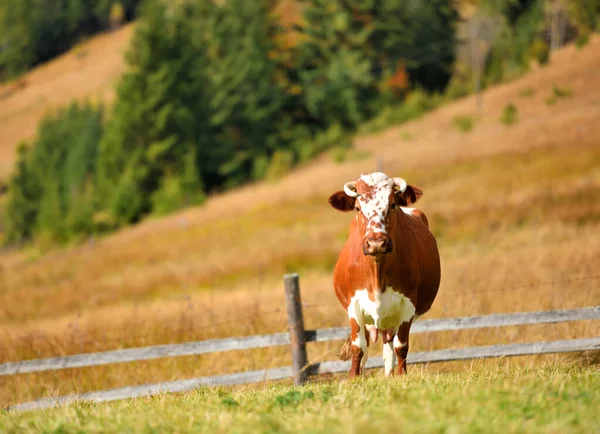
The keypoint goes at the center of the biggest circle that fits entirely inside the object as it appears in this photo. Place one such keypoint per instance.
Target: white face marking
(389, 359)
(388, 311)
(374, 178)
(376, 208)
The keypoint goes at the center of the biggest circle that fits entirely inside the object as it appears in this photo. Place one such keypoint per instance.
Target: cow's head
(376, 199)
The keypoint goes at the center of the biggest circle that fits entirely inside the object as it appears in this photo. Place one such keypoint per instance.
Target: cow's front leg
(389, 359)
(401, 346)
(359, 344)
(365, 356)
(389, 354)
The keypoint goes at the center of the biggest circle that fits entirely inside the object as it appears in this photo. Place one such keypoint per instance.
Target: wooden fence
(297, 338)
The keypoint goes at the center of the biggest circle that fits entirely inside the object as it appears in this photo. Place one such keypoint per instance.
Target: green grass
(526, 92)
(415, 105)
(342, 155)
(558, 93)
(406, 136)
(463, 123)
(561, 92)
(485, 398)
(510, 115)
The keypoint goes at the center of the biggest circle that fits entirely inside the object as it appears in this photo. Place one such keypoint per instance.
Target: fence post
(296, 327)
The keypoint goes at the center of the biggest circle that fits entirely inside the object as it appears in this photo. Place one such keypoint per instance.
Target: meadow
(479, 398)
(514, 207)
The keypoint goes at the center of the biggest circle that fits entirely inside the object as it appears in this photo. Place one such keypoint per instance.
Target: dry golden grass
(516, 211)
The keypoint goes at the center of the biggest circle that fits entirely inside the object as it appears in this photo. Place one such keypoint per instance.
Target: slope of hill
(89, 70)
(515, 209)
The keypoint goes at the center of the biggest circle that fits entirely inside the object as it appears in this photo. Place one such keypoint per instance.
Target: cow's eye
(357, 209)
(394, 206)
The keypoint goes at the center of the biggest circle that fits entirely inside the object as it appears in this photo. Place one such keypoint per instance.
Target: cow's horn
(350, 189)
(401, 183)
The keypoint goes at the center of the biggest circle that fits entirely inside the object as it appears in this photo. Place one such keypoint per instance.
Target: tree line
(217, 94)
(35, 31)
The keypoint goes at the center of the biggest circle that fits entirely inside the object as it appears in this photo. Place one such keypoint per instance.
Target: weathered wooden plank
(154, 389)
(563, 346)
(261, 341)
(588, 344)
(296, 328)
(503, 320)
(145, 353)
(473, 322)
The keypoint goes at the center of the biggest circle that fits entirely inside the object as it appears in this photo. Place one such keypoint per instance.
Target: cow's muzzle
(378, 244)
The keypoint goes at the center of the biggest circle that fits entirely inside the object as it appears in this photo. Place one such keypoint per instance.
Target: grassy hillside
(514, 208)
(90, 70)
(549, 399)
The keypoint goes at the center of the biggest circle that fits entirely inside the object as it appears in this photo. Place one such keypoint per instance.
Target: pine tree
(334, 70)
(155, 120)
(80, 216)
(17, 38)
(246, 101)
(35, 31)
(55, 177)
(23, 200)
(349, 49)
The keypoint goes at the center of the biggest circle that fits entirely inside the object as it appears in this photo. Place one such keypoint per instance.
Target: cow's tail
(346, 351)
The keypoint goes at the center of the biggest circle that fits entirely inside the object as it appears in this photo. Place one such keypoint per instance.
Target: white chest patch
(407, 211)
(387, 311)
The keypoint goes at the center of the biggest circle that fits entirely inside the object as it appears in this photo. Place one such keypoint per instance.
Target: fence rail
(297, 338)
(279, 339)
(573, 345)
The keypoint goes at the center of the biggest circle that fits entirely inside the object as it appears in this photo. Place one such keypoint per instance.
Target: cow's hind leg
(401, 346)
(365, 356)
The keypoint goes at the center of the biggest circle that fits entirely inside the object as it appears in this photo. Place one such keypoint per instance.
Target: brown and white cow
(388, 272)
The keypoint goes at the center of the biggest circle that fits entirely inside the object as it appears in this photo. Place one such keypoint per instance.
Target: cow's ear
(341, 201)
(410, 196)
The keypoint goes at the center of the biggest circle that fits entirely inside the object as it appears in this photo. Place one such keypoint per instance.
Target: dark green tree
(349, 49)
(35, 31)
(510, 53)
(158, 118)
(53, 179)
(23, 200)
(247, 114)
